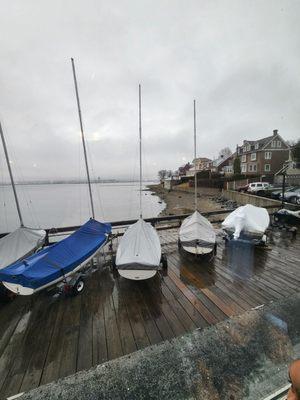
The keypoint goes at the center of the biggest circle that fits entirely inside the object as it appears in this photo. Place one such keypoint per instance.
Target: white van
(258, 187)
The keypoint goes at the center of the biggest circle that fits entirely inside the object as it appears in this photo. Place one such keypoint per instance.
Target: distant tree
(296, 151)
(226, 152)
(162, 174)
(169, 174)
(237, 166)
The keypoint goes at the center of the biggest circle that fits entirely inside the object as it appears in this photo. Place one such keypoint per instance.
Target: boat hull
(137, 274)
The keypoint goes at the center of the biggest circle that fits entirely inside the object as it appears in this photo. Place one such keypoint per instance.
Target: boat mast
(11, 177)
(140, 140)
(83, 140)
(195, 154)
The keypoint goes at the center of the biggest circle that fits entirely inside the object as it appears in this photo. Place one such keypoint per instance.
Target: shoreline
(181, 200)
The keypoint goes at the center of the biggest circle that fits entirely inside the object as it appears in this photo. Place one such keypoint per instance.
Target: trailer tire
(164, 262)
(78, 287)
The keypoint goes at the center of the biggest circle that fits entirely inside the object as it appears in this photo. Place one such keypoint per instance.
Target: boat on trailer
(247, 224)
(139, 254)
(196, 234)
(56, 263)
(24, 240)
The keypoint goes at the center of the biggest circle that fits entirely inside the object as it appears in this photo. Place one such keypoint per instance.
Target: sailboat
(139, 252)
(62, 261)
(23, 241)
(196, 234)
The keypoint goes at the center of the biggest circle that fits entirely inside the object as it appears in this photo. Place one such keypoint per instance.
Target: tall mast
(11, 176)
(140, 140)
(195, 154)
(83, 140)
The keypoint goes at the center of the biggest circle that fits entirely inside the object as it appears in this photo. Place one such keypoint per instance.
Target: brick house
(264, 156)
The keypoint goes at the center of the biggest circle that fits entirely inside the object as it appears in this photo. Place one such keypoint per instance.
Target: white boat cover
(139, 248)
(196, 230)
(247, 219)
(19, 243)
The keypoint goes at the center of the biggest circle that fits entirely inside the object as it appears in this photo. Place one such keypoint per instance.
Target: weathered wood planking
(44, 338)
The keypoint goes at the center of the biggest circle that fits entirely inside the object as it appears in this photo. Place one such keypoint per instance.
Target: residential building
(264, 156)
(202, 164)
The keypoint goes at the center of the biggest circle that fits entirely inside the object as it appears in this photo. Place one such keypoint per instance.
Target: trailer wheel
(78, 287)
(164, 261)
(215, 249)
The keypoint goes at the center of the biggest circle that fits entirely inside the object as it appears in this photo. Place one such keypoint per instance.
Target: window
(267, 167)
(244, 168)
(244, 149)
(278, 143)
(244, 158)
(256, 146)
(268, 155)
(252, 168)
(248, 147)
(253, 156)
(273, 143)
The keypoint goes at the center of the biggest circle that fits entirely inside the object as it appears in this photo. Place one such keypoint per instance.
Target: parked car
(258, 188)
(292, 196)
(276, 193)
(243, 188)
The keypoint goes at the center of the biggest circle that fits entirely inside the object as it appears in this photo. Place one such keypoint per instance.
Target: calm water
(60, 205)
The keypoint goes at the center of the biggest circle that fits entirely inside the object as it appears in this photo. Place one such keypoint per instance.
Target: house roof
(264, 141)
(202, 159)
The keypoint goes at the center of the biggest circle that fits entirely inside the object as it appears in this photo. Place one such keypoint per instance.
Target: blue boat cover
(59, 259)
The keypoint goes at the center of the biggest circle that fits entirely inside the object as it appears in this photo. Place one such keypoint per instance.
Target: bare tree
(226, 152)
(162, 174)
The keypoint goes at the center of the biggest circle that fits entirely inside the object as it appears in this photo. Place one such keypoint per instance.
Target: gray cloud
(240, 60)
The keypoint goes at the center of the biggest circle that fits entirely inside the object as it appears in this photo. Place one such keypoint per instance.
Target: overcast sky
(239, 59)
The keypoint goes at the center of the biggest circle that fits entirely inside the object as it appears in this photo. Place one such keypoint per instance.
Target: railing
(154, 221)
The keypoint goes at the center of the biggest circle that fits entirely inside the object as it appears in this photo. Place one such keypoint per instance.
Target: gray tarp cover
(197, 229)
(138, 247)
(19, 244)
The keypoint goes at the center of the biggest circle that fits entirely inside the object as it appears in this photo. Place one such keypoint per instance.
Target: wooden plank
(156, 292)
(139, 332)
(205, 313)
(35, 367)
(126, 333)
(69, 336)
(114, 344)
(152, 330)
(193, 313)
(53, 358)
(28, 344)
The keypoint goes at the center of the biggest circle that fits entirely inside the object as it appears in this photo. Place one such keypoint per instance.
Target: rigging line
(82, 137)
(140, 141)
(24, 191)
(96, 184)
(11, 176)
(195, 154)
(3, 191)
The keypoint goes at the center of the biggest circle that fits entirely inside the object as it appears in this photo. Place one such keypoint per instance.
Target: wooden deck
(43, 338)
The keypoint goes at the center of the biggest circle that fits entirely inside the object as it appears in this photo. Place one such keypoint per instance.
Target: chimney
(275, 132)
